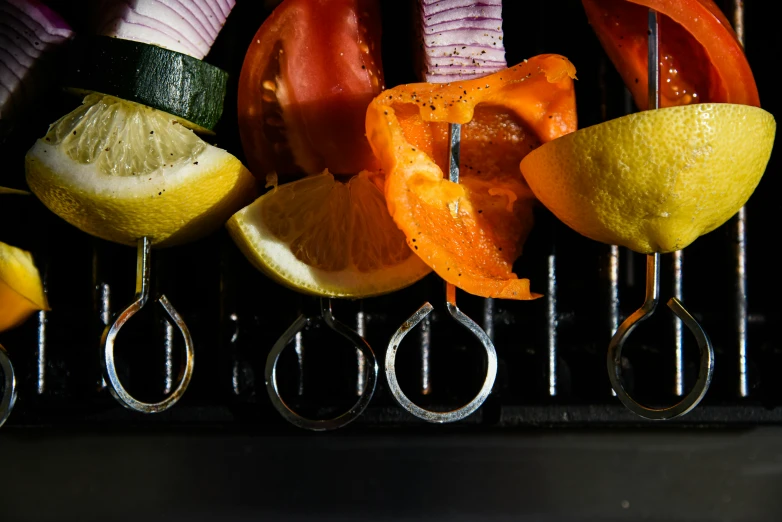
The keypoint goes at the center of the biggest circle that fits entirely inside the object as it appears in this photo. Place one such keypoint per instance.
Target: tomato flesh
(308, 76)
(701, 60)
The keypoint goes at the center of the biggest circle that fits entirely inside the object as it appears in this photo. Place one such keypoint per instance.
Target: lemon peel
(121, 171)
(323, 237)
(656, 180)
(21, 289)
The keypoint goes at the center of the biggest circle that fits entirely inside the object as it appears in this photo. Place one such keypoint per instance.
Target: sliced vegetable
(120, 171)
(654, 181)
(701, 59)
(310, 72)
(21, 290)
(461, 39)
(29, 34)
(179, 25)
(5, 190)
(305, 88)
(320, 236)
(503, 116)
(176, 83)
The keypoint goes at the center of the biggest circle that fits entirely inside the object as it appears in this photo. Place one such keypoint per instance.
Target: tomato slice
(470, 233)
(309, 74)
(701, 60)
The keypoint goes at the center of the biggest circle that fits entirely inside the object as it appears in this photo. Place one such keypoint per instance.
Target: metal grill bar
(553, 321)
(613, 289)
(235, 383)
(361, 360)
(678, 325)
(299, 348)
(613, 294)
(168, 344)
(488, 317)
(41, 352)
(426, 344)
(742, 305)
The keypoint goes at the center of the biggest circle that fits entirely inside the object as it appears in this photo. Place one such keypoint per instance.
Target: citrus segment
(6, 190)
(21, 290)
(470, 233)
(121, 171)
(324, 237)
(654, 181)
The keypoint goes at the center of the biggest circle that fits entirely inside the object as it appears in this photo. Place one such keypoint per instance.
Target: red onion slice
(491, 24)
(465, 37)
(29, 34)
(465, 13)
(185, 26)
(188, 10)
(462, 39)
(491, 54)
(434, 7)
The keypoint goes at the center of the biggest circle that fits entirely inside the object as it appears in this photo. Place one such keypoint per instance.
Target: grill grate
(551, 351)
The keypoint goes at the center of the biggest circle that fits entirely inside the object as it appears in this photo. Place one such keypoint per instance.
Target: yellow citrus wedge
(5, 190)
(324, 237)
(654, 181)
(21, 290)
(120, 171)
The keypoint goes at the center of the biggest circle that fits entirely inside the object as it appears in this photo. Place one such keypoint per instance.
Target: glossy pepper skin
(701, 59)
(504, 116)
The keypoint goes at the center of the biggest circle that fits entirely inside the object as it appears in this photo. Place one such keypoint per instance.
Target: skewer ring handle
(438, 416)
(705, 371)
(8, 399)
(356, 340)
(110, 369)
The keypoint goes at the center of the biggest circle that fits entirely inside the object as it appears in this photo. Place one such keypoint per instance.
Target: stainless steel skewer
(614, 360)
(369, 382)
(8, 399)
(143, 273)
(454, 131)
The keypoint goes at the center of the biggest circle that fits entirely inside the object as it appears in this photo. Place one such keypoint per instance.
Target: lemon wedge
(324, 237)
(21, 290)
(120, 171)
(654, 181)
(5, 190)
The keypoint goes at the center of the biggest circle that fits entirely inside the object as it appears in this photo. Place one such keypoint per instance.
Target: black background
(73, 453)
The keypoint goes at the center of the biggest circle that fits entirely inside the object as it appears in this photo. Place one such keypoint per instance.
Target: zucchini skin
(181, 85)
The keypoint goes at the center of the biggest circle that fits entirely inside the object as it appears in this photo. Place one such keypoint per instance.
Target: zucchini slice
(188, 88)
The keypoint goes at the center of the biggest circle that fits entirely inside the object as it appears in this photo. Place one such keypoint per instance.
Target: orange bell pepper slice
(504, 116)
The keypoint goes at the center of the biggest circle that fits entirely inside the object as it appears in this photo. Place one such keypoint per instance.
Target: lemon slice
(324, 237)
(654, 181)
(21, 290)
(121, 171)
(6, 190)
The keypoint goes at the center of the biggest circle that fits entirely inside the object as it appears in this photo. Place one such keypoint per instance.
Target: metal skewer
(454, 131)
(143, 273)
(8, 399)
(614, 360)
(369, 378)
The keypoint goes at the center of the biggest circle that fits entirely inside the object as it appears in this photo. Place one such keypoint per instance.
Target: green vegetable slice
(190, 89)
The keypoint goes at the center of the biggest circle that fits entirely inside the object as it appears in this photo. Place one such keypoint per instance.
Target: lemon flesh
(656, 180)
(120, 171)
(323, 237)
(21, 290)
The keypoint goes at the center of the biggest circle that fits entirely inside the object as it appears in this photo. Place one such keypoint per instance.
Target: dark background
(71, 452)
